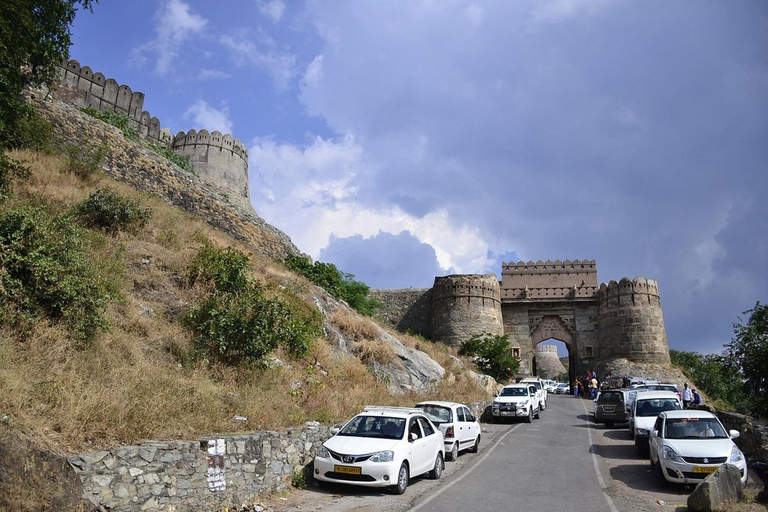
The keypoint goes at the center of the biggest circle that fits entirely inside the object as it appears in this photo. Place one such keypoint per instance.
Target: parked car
(459, 427)
(661, 386)
(550, 386)
(382, 447)
(539, 383)
(611, 406)
(562, 389)
(688, 445)
(517, 401)
(646, 407)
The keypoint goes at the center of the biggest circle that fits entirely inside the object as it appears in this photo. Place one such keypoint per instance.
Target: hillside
(140, 379)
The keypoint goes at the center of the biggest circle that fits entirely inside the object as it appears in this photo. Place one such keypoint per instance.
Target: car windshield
(694, 428)
(611, 397)
(374, 426)
(513, 392)
(655, 406)
(437, 413)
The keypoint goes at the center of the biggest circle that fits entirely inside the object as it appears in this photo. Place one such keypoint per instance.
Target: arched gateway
(537, 301)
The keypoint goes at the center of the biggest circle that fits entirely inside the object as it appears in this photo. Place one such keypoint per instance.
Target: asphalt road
(542, 466)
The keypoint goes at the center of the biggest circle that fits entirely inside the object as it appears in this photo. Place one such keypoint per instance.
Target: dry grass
(370, 352)
(138, 381)
(354, 326)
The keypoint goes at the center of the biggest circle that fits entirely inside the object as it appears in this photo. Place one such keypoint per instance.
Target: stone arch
(552, 327)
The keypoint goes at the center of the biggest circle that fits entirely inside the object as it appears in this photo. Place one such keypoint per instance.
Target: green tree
(748, 353)
(713, 374)
(492, 355)
(34, 38)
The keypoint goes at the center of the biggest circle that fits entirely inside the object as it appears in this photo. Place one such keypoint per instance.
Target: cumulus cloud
(279, 65)
(272, 9)
(174, 24)
(204, 116)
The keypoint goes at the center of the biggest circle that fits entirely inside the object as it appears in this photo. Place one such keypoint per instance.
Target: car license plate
(705, 469)
(350, 470)
(507, 413)
(608, 408)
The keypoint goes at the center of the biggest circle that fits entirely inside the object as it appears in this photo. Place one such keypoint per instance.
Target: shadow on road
(355, 490)
(640, 476)
(626, 452)
(618, 434)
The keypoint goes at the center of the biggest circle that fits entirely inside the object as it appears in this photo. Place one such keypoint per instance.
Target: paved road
(542, 466)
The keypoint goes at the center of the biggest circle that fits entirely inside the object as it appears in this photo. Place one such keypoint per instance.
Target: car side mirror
(495, 395)
(654, 433)
(412, 436)
(734, 434)
(335, 429)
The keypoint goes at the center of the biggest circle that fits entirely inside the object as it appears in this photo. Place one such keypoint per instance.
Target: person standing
(696, 397)
(687, 396)
(576, 388)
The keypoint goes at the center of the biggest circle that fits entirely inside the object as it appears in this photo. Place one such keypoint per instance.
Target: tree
(492, 355)
(34, 38)
(748, 352)
(713, 374)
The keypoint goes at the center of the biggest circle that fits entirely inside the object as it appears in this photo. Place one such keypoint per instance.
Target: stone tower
(631, 324)
(464, 306)
(548, 365)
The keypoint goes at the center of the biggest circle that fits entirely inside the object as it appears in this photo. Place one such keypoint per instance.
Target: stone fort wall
(219, 160)
(535, 301)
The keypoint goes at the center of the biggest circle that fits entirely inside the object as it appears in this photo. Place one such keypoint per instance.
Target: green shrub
(339, 284)
(84, 161)
(116, 118)
(167, 153)
(236, 322)
(45, 271)
(492, 355)
(10, 169)
(107, 210)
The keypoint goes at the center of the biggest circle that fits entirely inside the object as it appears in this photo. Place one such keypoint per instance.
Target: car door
(461, 427)
(470, 427)
(654, 439)
(421, 459)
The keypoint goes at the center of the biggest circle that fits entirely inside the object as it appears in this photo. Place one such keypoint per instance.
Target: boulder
(722, 486)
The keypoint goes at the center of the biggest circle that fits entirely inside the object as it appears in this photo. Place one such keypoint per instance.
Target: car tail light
(449, 431)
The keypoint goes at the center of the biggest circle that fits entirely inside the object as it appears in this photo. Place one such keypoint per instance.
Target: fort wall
(219, 160)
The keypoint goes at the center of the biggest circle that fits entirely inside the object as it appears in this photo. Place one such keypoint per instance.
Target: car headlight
(323, 452)
(670, 454)
(641, 431)
(386, 456)
(736, 455)
(496, 404)
(522, 404)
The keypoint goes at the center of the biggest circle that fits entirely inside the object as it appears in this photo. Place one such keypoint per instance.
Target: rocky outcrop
(720, 487)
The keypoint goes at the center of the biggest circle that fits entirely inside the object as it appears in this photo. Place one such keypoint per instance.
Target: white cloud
(272, 9)
(312, 194)
(314, 72)
(281, 66)
(213, 74)
(206, 117)
(175, 23)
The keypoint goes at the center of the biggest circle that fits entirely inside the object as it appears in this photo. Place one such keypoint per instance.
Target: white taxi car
(460, 428)
(382, 447)
(688, 445)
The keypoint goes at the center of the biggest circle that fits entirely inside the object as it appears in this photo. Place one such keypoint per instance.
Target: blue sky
(402, 140)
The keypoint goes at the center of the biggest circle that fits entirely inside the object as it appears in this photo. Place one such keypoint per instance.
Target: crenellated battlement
(625, 286)
(220, 160)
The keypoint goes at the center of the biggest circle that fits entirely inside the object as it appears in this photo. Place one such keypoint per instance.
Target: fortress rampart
(219, 160)
(537, 301)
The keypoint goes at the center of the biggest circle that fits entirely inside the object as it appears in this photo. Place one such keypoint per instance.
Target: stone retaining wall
(210, 474)
(753, 440)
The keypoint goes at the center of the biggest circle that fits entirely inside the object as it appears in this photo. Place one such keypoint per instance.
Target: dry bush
(355, 326)
(370, 352)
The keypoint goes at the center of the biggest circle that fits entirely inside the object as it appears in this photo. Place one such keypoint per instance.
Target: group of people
(690, 397)
(587, 386)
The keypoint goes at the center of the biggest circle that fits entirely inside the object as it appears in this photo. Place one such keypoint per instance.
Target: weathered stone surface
(720, 487)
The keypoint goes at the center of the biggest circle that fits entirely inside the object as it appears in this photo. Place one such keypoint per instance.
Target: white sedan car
(460, 428)
(382, 447)
(687, 445)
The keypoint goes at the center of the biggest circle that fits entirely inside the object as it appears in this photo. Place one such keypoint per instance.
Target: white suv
(460, 428)
(382, 447)
(542, 391)
(517, 401)
(645, 409)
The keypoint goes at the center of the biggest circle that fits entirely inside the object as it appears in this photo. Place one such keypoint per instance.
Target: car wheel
(476, 446)
(529, 418)
(402, 479)
(454, 453)
(494, 419)
(538, 413)
(437, 469)
(658, 472)
(543, 405)
(608, 424)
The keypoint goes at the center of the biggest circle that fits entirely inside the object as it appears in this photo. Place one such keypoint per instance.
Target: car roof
(392, 411)
(651, 395)
(441, 404)
(518, 385)
(688, 413)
